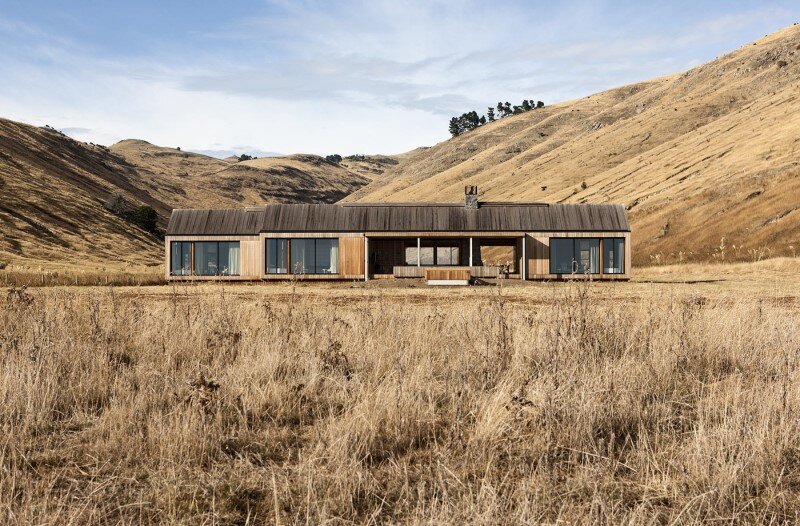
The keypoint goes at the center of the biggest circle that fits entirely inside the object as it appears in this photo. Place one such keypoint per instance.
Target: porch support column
(366, 258)
(470, 251)
(523, 271)
(419, 253)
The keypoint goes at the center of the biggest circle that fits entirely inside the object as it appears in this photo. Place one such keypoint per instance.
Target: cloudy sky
(373, 76)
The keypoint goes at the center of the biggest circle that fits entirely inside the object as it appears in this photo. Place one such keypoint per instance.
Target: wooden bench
(445, 276)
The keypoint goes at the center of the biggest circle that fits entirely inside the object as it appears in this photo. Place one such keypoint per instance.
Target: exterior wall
(251, 258)
(537, 250)
(352, 260)
(351, 255)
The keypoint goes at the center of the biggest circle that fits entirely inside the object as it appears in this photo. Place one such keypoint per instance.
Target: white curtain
(233, 259)
(334, 268)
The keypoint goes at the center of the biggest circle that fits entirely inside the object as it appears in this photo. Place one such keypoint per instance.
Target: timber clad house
(360, 241)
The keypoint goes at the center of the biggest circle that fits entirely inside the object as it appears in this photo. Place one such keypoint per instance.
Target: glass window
(181, 258)
(302, 251)
(447, 255)
(587, 255)
(228, 258)
(613, 255)
(411, 254)
(205, 258)
(277, 256)
(574, 255)
(562, 254)
(426, 255)
(326, 252)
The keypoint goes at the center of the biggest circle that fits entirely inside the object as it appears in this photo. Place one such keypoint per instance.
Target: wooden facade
(508, 249)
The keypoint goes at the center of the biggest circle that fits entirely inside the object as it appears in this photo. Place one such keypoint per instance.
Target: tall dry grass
(226, 408)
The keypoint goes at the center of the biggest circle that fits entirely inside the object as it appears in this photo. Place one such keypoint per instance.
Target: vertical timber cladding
(538, 253)
(351, 253)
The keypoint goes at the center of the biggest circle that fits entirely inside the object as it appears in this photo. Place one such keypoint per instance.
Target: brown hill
(696, 156)
(57, 192)
(54, 190)
(191, 180)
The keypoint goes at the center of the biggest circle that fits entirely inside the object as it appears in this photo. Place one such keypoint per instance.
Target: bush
(334, 158)
(145, 217)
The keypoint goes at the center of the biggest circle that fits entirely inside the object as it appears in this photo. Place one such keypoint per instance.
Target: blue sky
(337, 77)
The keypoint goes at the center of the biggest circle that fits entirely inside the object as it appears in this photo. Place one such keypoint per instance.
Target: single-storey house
(349, 241)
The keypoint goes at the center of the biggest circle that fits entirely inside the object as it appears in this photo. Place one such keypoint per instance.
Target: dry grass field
(672, 399)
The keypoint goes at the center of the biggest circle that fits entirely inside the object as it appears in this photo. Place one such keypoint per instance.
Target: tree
(526, 106)
(540, 104)
(454, 127)
(334, 158)
(490, 114)
(507, 109)
(145, 217)
(245, 157)
(483, 120)
(500, 110)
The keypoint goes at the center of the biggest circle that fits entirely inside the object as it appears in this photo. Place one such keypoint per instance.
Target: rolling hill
(56, 191)
(709, 153)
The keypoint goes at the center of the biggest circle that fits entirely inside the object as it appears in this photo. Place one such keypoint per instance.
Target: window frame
(289, 253)
(193, 261)
(575, 259)
(621, 263)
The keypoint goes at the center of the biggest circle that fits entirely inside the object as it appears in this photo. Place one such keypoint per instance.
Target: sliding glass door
(581, 255)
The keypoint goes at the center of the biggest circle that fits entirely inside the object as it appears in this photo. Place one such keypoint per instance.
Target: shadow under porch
(408, 257)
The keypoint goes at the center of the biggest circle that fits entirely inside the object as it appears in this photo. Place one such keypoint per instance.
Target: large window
(613, 255)
(181, 258)
(303, 256)
(433, 252)
(277, 256)
(582, 255)
(204, 258)
(574, 255)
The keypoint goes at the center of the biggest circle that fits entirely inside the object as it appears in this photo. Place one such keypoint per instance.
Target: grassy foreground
(642, 403)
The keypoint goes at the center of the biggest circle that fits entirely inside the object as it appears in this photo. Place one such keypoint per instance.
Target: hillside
(191, 180)
(696, 156)
(55, 194)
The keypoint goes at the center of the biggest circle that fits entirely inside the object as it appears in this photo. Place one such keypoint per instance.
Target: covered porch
(405, 256)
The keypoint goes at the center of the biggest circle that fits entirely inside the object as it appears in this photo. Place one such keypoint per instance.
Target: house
(349, 241)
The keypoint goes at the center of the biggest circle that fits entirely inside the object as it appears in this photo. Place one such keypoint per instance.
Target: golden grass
(340, 404)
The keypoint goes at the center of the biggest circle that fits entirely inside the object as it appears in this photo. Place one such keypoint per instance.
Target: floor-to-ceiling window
(613, 255)
(302, 256)
(277, 256)
(181, 258)
(574, 255)
(204, 258)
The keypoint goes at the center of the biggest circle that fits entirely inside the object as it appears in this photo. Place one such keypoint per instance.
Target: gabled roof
(401, 217)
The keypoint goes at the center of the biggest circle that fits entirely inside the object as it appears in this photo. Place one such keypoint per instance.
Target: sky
(372, 76)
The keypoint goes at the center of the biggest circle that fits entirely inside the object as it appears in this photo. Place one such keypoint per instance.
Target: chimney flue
(471, 197)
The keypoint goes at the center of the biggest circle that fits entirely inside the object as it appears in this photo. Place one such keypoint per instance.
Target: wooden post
(366, 259)
(470, 252)
(523, 271)
(419, 252)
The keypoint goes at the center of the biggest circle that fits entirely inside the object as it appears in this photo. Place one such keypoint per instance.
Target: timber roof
(400, 217)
